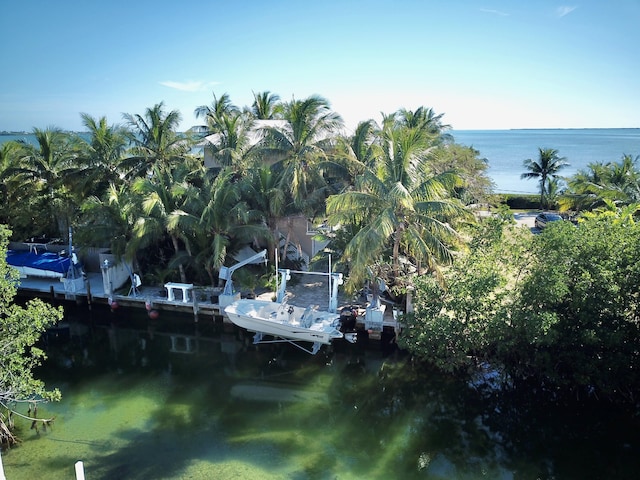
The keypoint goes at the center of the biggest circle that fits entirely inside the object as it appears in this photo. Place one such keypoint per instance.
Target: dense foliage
(558, 311)
(20, 330)
(180, 205)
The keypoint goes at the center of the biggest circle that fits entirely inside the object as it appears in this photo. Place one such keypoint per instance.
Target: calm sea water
(505, 150)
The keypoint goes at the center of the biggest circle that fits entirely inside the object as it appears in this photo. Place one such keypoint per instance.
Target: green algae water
(171, 399)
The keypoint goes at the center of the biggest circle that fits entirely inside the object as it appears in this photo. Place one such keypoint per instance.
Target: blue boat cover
(42, 261)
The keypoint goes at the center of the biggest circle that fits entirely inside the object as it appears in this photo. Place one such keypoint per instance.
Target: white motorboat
(287, 322)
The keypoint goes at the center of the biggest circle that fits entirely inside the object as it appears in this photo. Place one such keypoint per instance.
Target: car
(544, 218)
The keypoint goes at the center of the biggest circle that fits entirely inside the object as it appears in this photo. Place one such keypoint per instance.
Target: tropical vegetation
(545, 169)
(557, 315)
(20, 330)
(393, 202)
(180, 205)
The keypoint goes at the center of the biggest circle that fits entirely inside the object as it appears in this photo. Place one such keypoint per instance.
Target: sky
(483, 64)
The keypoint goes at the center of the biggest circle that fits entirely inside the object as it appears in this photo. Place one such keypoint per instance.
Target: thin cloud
(494, 12)
(563, 10)
(191, 86)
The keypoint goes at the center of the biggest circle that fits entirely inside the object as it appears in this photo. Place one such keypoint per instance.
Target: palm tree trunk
(396, 251)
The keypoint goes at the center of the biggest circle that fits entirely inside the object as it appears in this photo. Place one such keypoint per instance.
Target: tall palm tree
(547, 166)
(398, 208)
(424, 119)
(231, 145)
(108, 221)
(358, 150)
(100, 166)
(9, 152)
(227, 221)
(261, 190)
(41, 171)
(155, 140)
(302, 144)
(266, 106)
(228, 133)
(623, 181)
(215, 113)
(163, 196)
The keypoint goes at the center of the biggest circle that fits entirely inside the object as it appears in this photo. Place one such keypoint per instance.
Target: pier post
(195, 306)
(2, 477)
(89, 294)
(79, 470)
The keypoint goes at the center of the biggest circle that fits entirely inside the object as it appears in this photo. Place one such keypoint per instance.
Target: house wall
(301, 235)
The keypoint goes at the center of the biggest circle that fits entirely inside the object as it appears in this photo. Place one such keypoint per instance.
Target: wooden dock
(202, 302)
(92, 292)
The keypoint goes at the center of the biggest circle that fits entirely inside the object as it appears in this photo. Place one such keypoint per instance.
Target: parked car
(544, 218)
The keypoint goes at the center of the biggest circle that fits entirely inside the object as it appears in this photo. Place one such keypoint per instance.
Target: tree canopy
(20, 330)
(558, 311)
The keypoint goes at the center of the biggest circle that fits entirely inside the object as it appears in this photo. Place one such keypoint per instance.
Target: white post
(79, 471)
(330, 277)
(2, 477)
(277, 273)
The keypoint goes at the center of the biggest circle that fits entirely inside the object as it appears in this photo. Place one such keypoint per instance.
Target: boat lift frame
(258, 340)
(335, 279)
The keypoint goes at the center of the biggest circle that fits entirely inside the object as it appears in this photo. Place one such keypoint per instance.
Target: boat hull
(285, 321)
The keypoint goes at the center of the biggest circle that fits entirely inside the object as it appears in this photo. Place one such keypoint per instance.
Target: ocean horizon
(506, 150)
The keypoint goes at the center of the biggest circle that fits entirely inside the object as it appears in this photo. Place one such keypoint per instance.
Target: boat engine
(348, 317)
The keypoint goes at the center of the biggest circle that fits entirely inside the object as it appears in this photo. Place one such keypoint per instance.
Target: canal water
(172, 399)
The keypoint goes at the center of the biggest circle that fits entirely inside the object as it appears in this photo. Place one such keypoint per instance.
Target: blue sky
(484, 64)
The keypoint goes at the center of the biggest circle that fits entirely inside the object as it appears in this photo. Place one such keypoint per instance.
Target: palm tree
(216, 112)
(9, 152)
(227, 222)
(547, 166)
(100, 167)
(617, 182)
(231, 145)
(163, 197)
(302, 144)
(40, 172)
(266, 106)
(108, 221)
(398, 208)
(424, 119)
(584, 188)
(154, 140)
(228, 133)
(358, 150)
(623, 181)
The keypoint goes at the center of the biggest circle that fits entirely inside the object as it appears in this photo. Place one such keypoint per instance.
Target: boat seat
(307, 317)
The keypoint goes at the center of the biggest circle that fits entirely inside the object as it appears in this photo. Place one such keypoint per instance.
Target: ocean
(505, 150)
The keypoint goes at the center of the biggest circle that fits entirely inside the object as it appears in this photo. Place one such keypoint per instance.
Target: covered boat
(34, 264)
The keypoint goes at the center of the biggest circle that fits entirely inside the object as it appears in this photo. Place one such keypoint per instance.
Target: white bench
(172, 287)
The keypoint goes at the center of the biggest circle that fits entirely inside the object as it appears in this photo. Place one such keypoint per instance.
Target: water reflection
(174, 399)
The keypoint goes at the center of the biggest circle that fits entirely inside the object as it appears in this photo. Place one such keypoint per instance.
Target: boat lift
(228, 296)
(335, 279)
(258, 340)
